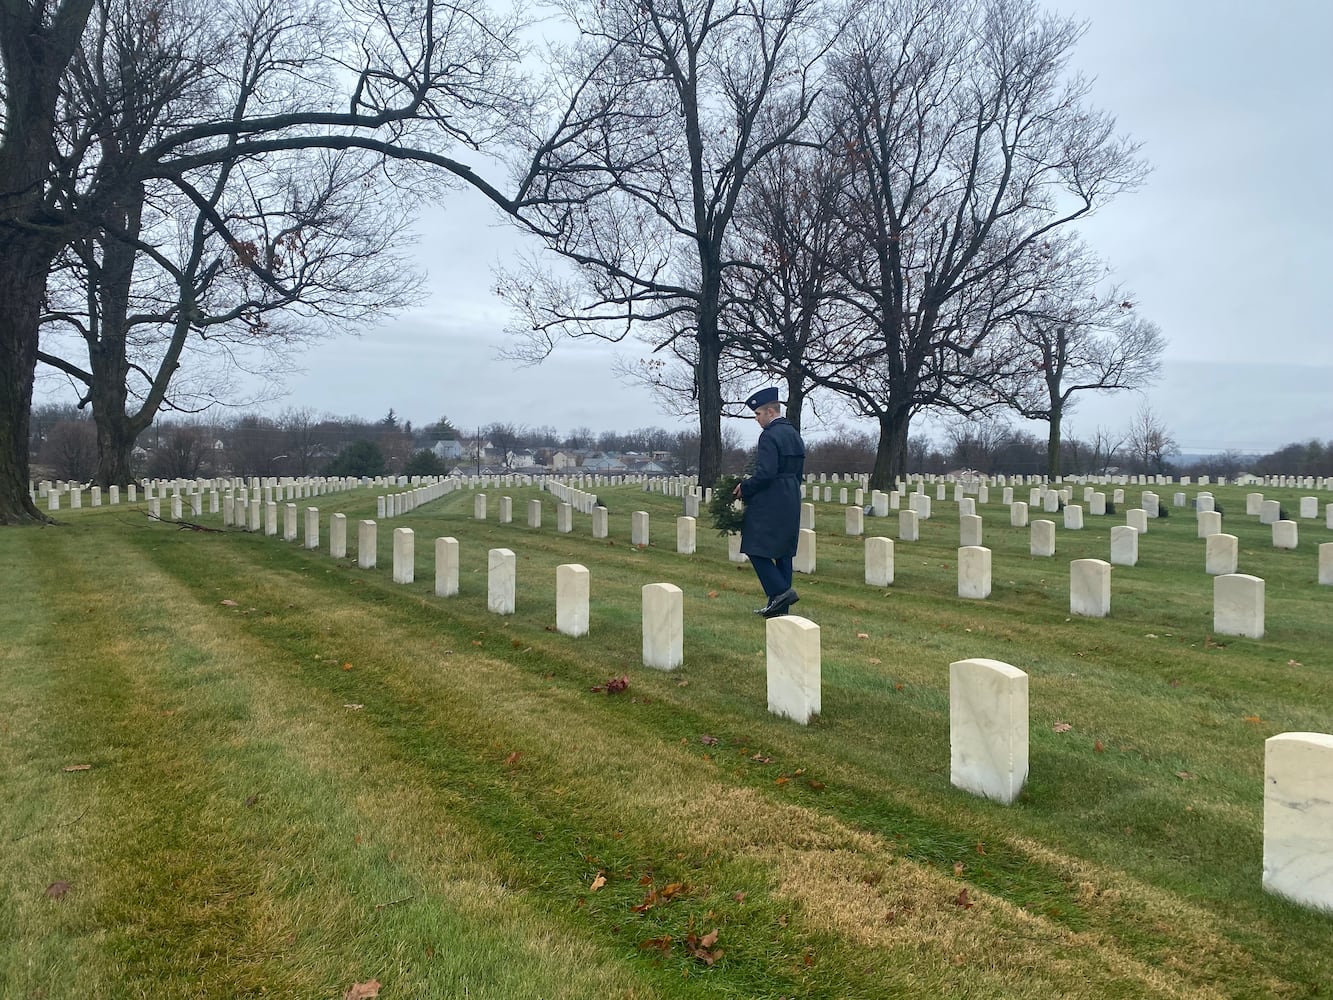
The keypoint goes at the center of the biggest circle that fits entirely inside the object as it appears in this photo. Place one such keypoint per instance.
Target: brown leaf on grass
(354, 707)
(701, 948)
(781, 781)
(1062, 727)
(614, 685)
(761, 759)
(57, 889)
(363, 991)
(683, 683)
(963, 901)
(1247, 718)
(875, 660)
(958, 868)
(981, 848)
(228, 604)
(251, 800)
(662, 944)
(712, 593)
(816, 786)
(1099, 747)
(863, 635)
(707, 740)
(1187, 776)
(347, 666)
(738, 897)
(513, 758)
(597, 883)
(1294, 663)
(77, 767)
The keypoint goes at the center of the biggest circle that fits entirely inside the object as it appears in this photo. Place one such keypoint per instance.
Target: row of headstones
(254, 514)
(180, 492)
(988, 750)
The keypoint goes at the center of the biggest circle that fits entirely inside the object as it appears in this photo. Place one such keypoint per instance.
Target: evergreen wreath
(726, 518)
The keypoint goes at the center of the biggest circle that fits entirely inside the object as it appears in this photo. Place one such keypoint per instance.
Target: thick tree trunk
(1053, 442)
(115, 446)
(891, 454)
(710, 406)
(22, 284)
(795, 399)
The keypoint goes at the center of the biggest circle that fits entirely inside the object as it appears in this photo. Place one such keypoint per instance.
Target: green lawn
(338, 780)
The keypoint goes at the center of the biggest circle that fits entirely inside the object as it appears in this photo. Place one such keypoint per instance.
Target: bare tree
(966, 146)
(669, 108)
(1149, 441)
(415, 80)
(1075, 339)
(70, 450)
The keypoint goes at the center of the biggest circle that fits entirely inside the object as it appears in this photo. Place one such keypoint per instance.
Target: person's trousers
(774, 574)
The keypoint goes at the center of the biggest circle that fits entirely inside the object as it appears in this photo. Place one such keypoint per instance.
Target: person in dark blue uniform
(773, 503)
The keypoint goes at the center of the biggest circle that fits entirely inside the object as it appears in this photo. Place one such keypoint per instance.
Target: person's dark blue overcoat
(773, 494)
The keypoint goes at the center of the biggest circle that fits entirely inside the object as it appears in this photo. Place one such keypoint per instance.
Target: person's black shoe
(778, 606)
(767, 607)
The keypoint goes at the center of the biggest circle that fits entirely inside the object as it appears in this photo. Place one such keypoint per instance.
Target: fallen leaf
(712, 593)
(363, 991)
(228, 604)
(874, 660)
(1247, 718)
(781, 781)
(1099, 747)
(354, 707)
(77, 767)
(683, 683)
(512, 759)
(981, 848)
(708, 740)
(347, 666)
(1062, 727)
(963, 901)
(251, 800)
(597, 883)
(709, 939)
(1187, 776)
(863, 635)
(662, 944)
(958, 868)
(738, 897)
(817, 786)
(57, 889)
(1293, 663)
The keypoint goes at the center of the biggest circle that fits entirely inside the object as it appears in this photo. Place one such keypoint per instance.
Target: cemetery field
(233, 767)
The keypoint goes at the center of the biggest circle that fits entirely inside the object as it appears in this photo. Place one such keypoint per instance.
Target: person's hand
(736, 493)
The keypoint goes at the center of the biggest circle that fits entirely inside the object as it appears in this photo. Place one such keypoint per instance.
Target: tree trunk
(1053, 441)
(115, 447)
(710, 405)
(891, 455)
(795, 399)
(22, 284)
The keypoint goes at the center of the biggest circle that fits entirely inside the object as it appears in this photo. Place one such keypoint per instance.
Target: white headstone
(446, 567)
(338, 536)
(572, 586)
(1209, 523)
(1221, 553)
(506, 513)
(1042, 542)
(908, 529)
(564, 518)
(1090, 588)
(1326, 564)
(855, 521)
(1137, 517)
(1284, 534)
(1124, 545)
(271, 518)
(501, 580)
(974, 575)
(1097, 504)
(639, 528)
(804, 562)
(663, 626)
(1269, 511)
(600, 527)
(1254, 504)
(1309, 506)
(685, 535)
(1238, 605)
(479, 506)
(366, 545)
(793, 657)
(1018, 514)
(988, 728)
(312, 527)
(1298, 818)
(404, 555)
(879, 562)
(1073, 517)
(969, 529)
(734, 553)
(808, 516)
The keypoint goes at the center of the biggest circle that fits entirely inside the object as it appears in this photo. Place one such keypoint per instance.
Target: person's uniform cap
(762, 398)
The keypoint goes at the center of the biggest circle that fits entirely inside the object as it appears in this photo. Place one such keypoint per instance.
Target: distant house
(564, 460)
(603, 463)
(448, 448)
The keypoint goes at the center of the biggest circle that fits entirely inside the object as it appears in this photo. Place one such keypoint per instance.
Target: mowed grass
(336, 779)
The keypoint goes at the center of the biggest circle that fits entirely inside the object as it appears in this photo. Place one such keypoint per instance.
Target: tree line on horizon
(870, 201)
(299, 443)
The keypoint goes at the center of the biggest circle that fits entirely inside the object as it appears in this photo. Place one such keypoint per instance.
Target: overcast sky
(1227, 248)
